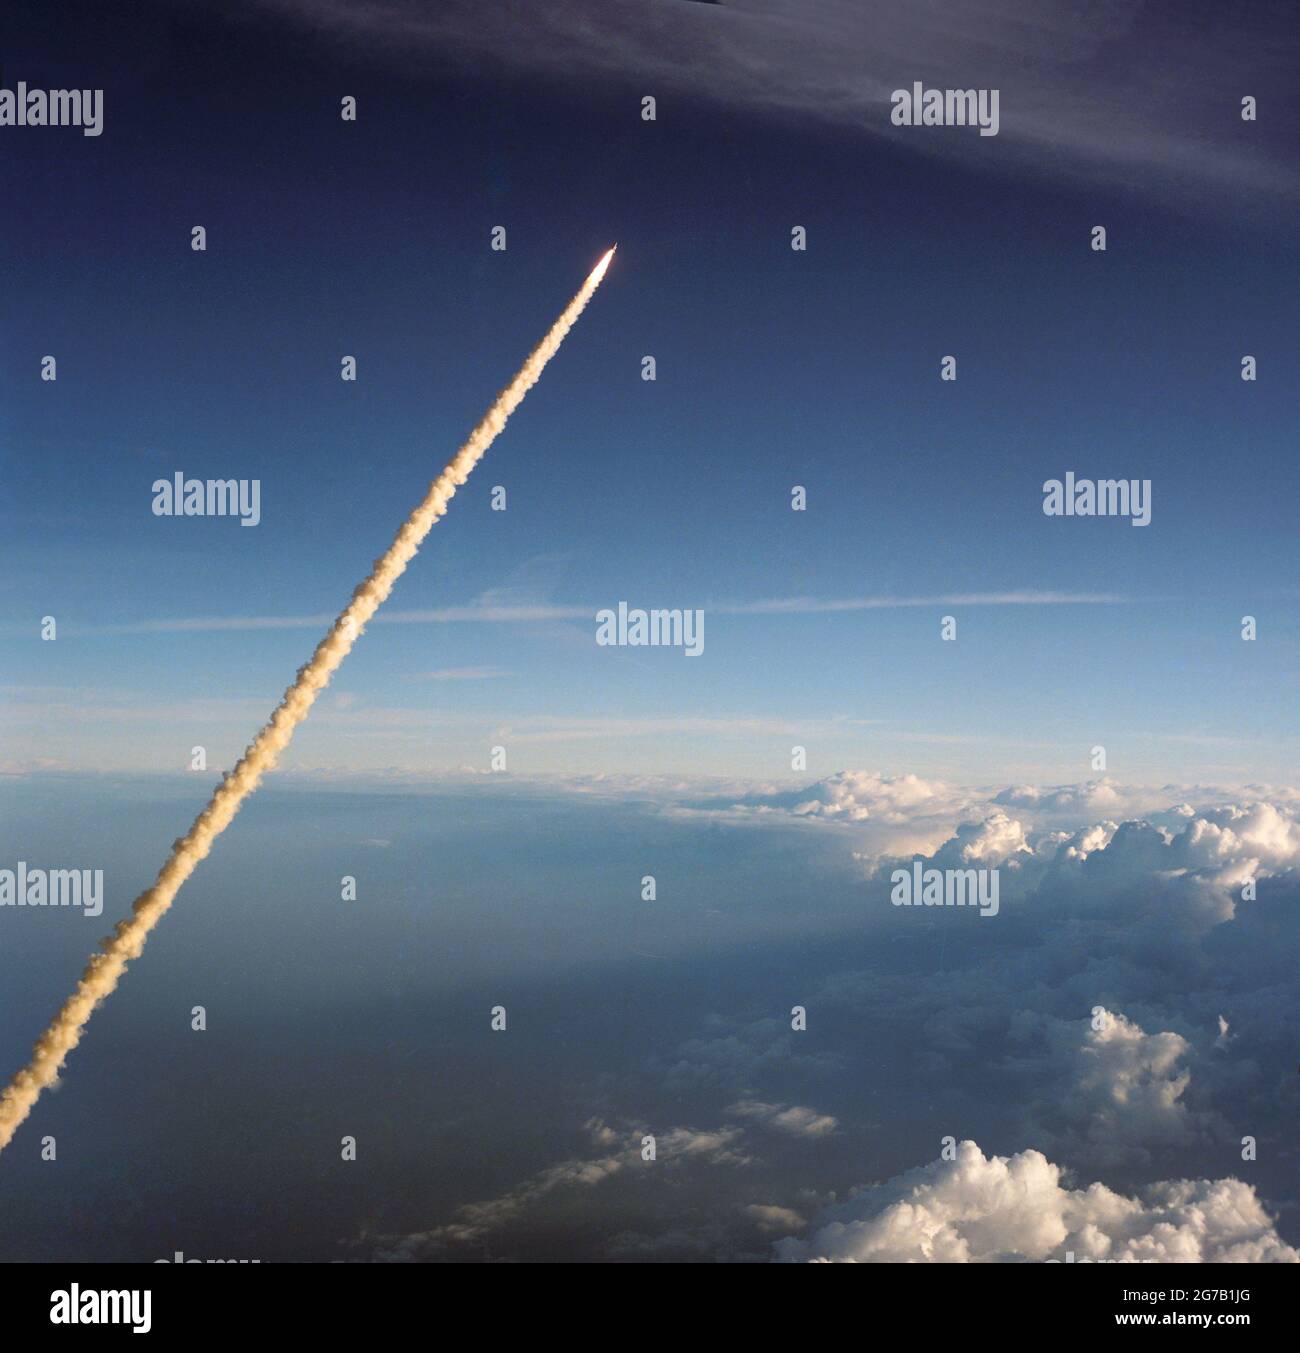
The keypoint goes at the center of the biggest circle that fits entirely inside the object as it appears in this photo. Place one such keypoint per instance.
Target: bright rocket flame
(105, 968)
(599, 270)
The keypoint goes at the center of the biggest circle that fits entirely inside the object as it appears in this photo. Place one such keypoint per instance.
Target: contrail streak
(105, 968)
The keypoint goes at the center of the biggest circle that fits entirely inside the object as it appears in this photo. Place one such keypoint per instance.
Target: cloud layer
(974, 1209)
(1117, 1037)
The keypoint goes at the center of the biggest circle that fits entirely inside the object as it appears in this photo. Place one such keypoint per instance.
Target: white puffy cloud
(1257, 831)
(1232, 830)
(1106, 1092)
(1125, 1075)
(997, 840)
(858, 795)
(1094, 796)
(998, 1209)
(1187, 875)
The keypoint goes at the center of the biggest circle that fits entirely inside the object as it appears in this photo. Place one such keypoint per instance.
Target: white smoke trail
(105, 968)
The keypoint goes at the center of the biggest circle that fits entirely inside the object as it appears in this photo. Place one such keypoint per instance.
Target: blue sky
(775, 368)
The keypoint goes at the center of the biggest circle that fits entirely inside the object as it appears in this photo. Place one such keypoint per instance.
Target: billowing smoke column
(105, 968)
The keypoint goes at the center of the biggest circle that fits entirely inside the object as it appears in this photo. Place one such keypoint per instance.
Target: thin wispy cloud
(1149, 94)
(560, 729)
(525, 614)
(461, 674)
(814, 606)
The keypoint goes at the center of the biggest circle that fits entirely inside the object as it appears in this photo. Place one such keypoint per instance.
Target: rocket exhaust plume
(105, 968)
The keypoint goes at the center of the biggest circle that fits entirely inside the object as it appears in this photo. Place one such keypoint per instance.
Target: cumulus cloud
(1092, 796)
(997, 840)
(1143, 925)
(1258, 833)
(1177, 866)
(1126, 1077)
(975, 1209)
(896, 815)
(1106, 1092)
(857, 795)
